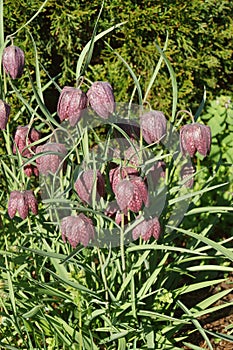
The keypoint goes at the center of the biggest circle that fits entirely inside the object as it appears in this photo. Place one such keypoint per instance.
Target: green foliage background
(199, 47)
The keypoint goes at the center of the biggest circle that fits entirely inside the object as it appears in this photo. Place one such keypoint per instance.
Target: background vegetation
(52, 297)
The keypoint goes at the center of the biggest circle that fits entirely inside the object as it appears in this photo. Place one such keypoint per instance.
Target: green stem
(122, 246)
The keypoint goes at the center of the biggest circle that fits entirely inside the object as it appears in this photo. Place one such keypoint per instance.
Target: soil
(216, 322)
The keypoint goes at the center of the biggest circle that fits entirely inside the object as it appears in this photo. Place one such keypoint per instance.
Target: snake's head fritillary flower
(23, 138)
(154, 126)
(13, 61)
(187, 172)
(71, 103)
(101, 98)
(4, 114)
(194, 138)
(119, 173)
(147, 229)
(52, 161)
(21, 202)
(156, 172)
(77, 229)
(87, 182)
(131, 194)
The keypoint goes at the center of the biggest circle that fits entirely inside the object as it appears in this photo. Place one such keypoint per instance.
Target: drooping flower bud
(187, 172)
(131, 194)
(156, 172)
(154, 126)
(119, 173)
(13, 61)
(147, 229)
(22, 201)
(101, 98)
(194, 138)
(50, 162)
(71, 103)
(88, 182)
(23, 138)
(4, 114)
(77, 229)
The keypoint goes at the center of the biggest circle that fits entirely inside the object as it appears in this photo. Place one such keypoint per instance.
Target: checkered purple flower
(50, 163)
(71, 103)
(13, 61)
(85, 183)
(154, 126)
(4, 114)
(77, 229)
(21, 202)
(101, 98)
(194, 138)
(147, 229)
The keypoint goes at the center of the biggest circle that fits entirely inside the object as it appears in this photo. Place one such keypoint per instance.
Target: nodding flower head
(4, 114)
(147, 229)
(131, 194)
(13, 61)
(71, 103)
(87, 182)
(23, 138)
(77, 229)
(154, 126)
(101, 98)
(119, 173)
(21, 202)
(51, 162)
(194, 138)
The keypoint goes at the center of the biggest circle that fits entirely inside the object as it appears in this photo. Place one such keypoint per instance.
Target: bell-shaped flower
(71, 103)
(147, 229)
(194, 138)
(4, 114)
(90, 182)
(13, 61)
(119, 173)
(52, 161)
(154, 126)
(131, 194)
(101, 98)
(21, 202)
(77, 229)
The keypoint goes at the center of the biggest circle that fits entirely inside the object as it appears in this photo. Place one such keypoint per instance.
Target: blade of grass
(157, 68)
(196, 323)
(226, 252)
(87, 47)
(174, 83)
(136, 81)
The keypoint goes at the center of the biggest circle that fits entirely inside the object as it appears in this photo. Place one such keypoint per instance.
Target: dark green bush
(199, 46)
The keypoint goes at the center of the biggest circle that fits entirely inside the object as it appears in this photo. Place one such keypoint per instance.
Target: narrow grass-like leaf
(193, 194)
(87, 47)
(174, 82)
(210, 268)
(161, 317)
(226, 252)
(211, 300)
(202, 105)
(135, 79)
(197, 286)
(151, 82)
(196, 323)
(37, 69)
(152, 279)
(75, 285)
(92, 42)
(31, 19)
(225, 337)
(211, 310)
(211, 210)
(33, 311)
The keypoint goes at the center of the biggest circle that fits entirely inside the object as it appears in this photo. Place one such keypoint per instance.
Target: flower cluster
(131, 188)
